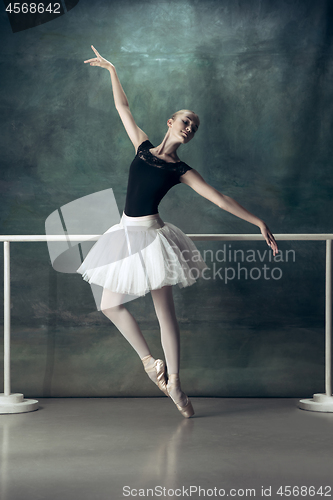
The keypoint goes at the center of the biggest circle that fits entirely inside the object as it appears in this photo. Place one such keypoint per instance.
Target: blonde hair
(181, 111)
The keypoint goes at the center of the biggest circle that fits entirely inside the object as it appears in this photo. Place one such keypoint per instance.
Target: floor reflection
(163, 466)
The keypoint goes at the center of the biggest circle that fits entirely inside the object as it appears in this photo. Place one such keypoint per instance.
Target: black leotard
(150, 178)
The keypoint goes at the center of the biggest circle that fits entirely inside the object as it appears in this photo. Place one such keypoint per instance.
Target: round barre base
(14, 403)
(320, 402)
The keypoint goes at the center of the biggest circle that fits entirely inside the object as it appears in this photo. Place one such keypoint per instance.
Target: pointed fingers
(274, 246)
(96, 52)
(272, 243)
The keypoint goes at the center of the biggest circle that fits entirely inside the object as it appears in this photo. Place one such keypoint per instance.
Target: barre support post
(324, 402)
(10, 403)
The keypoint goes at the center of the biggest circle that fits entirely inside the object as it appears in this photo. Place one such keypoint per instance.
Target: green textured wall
(260, 76)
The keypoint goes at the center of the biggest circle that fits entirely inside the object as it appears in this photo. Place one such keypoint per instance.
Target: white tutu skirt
(138, 255)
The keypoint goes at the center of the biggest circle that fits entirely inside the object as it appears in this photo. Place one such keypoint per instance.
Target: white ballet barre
(15, 403)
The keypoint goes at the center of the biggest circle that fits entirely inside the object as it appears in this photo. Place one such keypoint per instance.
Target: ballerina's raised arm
(136, 135)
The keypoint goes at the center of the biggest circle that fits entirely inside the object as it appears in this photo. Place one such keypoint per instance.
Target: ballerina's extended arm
(136, 135)
(193, 179)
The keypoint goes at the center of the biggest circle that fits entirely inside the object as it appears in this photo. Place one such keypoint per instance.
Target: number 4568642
(33, 8)
(302, 491)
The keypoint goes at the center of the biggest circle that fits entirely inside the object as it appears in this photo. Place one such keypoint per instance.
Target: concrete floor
(90, 449)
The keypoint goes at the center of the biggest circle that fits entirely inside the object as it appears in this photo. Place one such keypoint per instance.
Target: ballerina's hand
(270, 240)
(99, 60)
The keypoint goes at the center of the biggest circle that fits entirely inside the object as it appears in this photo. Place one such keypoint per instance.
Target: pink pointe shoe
(156, 372)
(185, 406)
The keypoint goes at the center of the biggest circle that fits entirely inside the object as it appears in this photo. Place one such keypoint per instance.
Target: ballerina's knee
(112, 312)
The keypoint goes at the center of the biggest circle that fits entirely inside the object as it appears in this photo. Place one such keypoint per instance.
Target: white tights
(127, 325)
(166, 315)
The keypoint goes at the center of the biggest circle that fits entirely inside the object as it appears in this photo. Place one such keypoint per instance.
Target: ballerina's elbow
(221, 201)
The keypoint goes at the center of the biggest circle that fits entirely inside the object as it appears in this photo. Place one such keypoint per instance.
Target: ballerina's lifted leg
(113, 308)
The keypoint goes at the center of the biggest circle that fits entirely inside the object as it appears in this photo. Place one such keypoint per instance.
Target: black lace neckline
(161, 159)
(144, 154)
(156, 158)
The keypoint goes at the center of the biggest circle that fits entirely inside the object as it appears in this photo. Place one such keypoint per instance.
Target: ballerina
(152, 255)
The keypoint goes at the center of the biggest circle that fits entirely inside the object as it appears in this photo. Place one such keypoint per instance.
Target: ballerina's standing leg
(170, 339)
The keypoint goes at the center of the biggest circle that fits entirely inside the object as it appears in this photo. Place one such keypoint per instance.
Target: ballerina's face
(184, 126)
